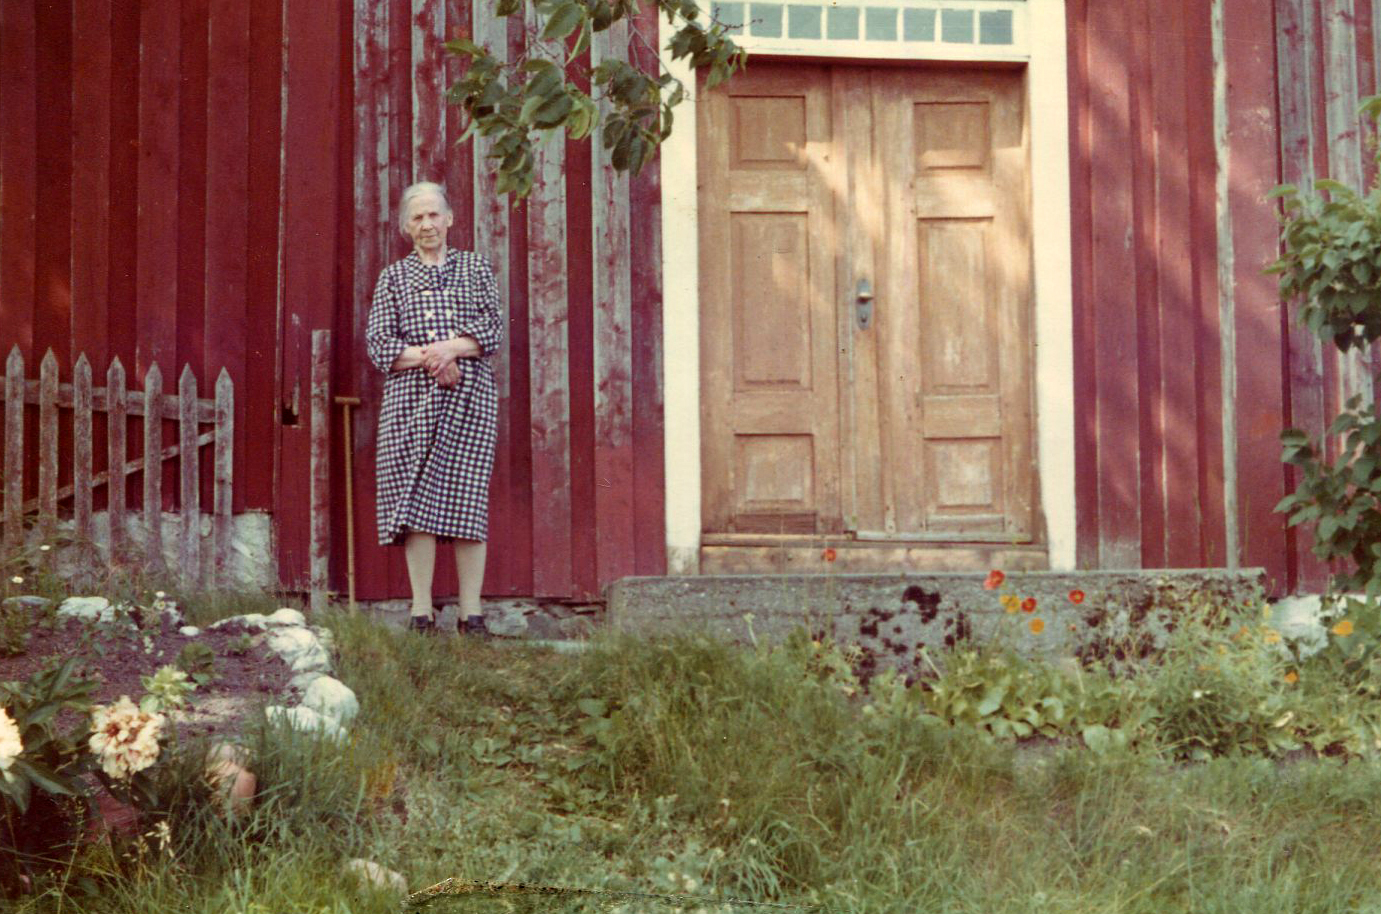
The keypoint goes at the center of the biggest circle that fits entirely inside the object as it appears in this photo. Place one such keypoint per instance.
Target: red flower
(1076, 596)
(829, 554)
(994, 581)
(1028, 605)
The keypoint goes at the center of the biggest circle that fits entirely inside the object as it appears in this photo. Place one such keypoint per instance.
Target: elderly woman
(432, 326)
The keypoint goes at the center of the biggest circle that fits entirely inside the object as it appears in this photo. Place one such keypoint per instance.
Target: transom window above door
(916, 29)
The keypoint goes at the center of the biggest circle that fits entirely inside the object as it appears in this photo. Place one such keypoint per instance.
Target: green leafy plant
(510, 103)
(42, 795)
(198, 661)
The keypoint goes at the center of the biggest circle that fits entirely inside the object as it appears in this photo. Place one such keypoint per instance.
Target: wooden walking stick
(349, 403)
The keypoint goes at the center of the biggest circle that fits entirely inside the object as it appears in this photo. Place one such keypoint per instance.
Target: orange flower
(1343, 628)
(994, 581)
(1037, 625)
(1076, 596)
(1272, 636)
(1292, 677)
(1010, 603)
(1028, 605)
(829, 554)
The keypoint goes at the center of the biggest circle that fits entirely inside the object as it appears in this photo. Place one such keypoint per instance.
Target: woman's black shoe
(473, 627)
(424, 624)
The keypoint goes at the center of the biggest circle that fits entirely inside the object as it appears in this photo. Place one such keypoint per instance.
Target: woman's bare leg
(420, 551)
(470, 570)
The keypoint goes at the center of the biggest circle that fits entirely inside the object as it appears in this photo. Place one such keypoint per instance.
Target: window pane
(731, 14)
(803, 22)
(995, 27)
(880, 24)
(843, 23)
(918, 25)
(765, 19)
(956, 26)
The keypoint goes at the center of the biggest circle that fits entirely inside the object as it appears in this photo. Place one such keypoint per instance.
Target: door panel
(823, 188)
(768, 341)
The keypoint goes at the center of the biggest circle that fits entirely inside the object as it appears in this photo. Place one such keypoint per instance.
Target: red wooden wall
(577, 495)
(208, 181)
(139, 220)
(1153, 251)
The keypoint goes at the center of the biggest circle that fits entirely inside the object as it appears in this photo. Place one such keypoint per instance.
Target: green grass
(688, 765)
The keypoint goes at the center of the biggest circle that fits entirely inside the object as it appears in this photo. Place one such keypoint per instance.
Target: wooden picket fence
(118, 403)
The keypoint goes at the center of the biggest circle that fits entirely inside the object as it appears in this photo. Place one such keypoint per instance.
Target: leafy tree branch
(513, 103)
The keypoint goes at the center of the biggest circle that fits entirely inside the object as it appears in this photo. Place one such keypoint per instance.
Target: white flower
(1197, 694)
(17, 579)
(124, 738)
(44, 548)
(159, 594)
(10, 744)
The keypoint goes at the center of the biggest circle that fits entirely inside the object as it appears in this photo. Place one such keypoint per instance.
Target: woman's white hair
(420, 189)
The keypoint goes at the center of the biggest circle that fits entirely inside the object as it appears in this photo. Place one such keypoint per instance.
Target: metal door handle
(864, 304)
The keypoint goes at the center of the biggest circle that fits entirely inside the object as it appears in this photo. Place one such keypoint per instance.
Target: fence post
(189, 475)
(115, 459)
(48, 447)
(225, 475)
(14, 453)
(81, 456)
(153, 469)
(319, 500)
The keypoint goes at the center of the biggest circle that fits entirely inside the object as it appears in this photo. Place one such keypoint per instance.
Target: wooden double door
(866, 328)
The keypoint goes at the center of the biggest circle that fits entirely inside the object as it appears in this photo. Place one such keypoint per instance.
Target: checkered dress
(436, 444)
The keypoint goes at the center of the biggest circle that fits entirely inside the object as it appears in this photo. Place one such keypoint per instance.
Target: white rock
(1300, 622)
(305, 720)
(90, 609)
(248, 620)
(191, 631)
(300, 649)
(332, 698)
(301, 681)
(372, 873)
(286, 616)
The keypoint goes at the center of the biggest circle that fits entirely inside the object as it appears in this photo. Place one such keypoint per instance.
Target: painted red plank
(193, 185)
(260, 387)
(91, 158)
(374, 227)
(1176, 289)
(428, 91)
(18, 170)
(581, 384)
(509, 569)
(613, 354)
(1249, 57)
(53, 238)
(1115, 350)
(157, 233)
(122, 325)
(548, 370)
(645, 290)
(1295, 49)
(1149, 381)
(1203, 242)
(227, 114)
(311, 143)
(460, 159)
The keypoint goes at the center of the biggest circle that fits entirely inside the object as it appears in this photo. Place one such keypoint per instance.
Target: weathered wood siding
(137, 220)
(577, 498)
(1168, 268)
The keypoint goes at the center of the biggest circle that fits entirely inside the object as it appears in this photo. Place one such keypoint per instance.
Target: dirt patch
(246, 674)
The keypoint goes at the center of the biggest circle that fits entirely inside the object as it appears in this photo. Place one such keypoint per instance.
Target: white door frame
(1047, 85)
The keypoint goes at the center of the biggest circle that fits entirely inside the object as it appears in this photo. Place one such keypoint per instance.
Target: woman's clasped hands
(440, 358)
